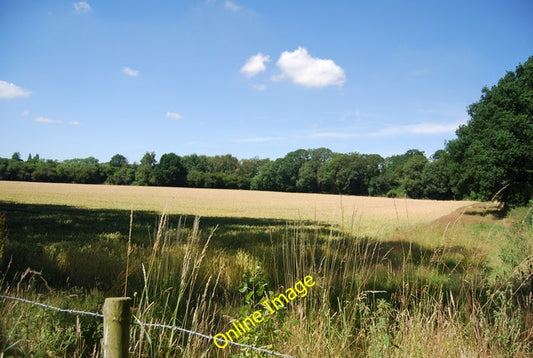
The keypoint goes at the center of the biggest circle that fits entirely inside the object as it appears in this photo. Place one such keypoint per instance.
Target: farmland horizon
(338, 209)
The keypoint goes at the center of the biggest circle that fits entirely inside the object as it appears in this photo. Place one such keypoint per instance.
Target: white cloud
(82, 7)
(411, 129)
(308, 71)
(25, 113)
(130, 72)
(173, 115)
(46, 120)
(230, 5)
(74, 123)
(10, 90)
(421, 128)
(255, 64)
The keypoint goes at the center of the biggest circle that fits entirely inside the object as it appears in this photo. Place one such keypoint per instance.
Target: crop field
(372, 216)
(389, 277)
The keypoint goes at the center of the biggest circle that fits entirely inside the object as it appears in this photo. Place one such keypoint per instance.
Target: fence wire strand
(174, 328)
(64, 310)
(149, 325)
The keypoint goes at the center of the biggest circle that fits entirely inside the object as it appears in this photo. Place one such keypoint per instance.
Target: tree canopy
(493, 152)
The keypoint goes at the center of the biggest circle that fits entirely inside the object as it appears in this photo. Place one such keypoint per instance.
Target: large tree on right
(493, 153)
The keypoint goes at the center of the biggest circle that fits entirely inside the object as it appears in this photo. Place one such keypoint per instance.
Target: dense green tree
(149, 160)
(3, 168)
(118, 171)
(400, 175)
(350, 173)
(216, 180)
(144, 172)
(124, 175)
(19, 170)
(118, 160)
(308, 175)
(45, 171)
(170, 171)
(436, 177)
(194, 162)
(33, 159)
(411, 176)
(195, 178)
(250, 167)
(82, 171)
(282, 174)
(289, 169)
(493, 152)
(269, 177)
(247, 170)
(222, 164)
(220, 171)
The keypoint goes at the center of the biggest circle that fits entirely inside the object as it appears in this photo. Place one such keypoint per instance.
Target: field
(372, 216)
(394, 277)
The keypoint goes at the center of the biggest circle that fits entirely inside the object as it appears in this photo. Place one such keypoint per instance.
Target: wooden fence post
(117, 317)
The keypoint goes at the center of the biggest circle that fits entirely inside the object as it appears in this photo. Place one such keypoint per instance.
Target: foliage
(254, 288)
(170, 171)
(493, 151)
(308, 176)
(144, 172)
(436, 177)
(350, 173)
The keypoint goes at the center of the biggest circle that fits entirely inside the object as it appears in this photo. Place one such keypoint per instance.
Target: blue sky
(249, 78)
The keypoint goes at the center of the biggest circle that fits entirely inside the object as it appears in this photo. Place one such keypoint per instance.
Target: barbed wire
(174, 328)
(150, 325)
(64, 310)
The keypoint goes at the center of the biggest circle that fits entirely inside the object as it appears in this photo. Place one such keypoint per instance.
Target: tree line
(492, 156)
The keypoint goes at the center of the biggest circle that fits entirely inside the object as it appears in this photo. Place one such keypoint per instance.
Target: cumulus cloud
(82, 7)
(230, 5)
(308, 71)
(46, 120)
(10, 90)
(255, 64)
(130, 72)
(173, 115)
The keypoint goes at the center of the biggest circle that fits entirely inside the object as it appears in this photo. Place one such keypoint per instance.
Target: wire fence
(148, 325)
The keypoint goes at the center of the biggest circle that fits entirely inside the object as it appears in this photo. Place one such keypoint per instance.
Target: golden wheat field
(366, 215)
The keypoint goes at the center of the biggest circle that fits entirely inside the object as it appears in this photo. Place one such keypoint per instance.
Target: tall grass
(373, 298)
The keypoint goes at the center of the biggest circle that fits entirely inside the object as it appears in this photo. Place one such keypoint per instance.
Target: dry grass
(422, 290)
(362, 215)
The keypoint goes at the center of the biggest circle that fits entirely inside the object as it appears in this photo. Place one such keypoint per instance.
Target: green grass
(436, 290)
